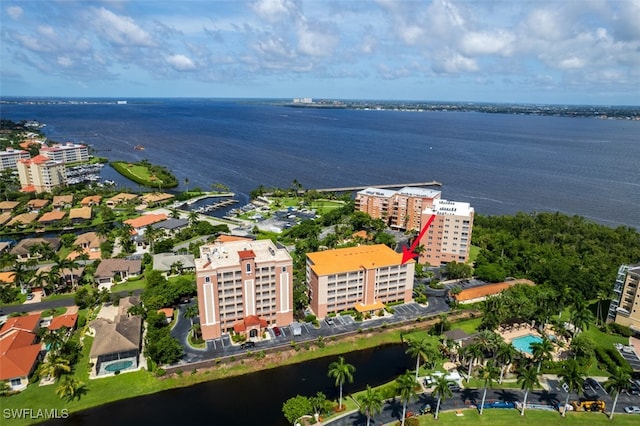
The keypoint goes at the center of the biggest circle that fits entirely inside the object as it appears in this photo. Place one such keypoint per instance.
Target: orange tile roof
(168, 312)
(68, 321)
(487, 290)
(251, 320)
(80, 213)
(92, 199)
(155, 197)
(9, 205)
(18, 354)
(24, 218)
(147, 219)
(27, 323)
(361, 307)
(353, 258)
(52, 216)
(7, 277)
(362, 234)
(37, 203)
(246, 254)
(5, 217)
(28, 188)
(224, 238)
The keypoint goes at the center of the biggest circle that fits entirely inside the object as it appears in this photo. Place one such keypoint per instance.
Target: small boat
(139, 148)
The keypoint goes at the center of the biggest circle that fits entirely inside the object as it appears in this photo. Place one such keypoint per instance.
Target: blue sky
(560, 52)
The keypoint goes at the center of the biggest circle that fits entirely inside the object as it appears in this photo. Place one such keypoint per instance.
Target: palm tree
(405, 386)
(68, 387)
(581, 316)
(193, 217)
(506, 354)
(418, 349)
(190, 312)
(174, 213)
(55, 366)
(471, 353)
(64, 263)
(617, 382)
(601, 296)
(441, 391)
(54, 340)
(571, 377)
(542, 351)
(370, 403)
(488, 373)
(528, 379)
(341, 371)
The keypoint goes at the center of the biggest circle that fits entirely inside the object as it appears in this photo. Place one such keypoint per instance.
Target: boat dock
(215, 206)
(360, 188)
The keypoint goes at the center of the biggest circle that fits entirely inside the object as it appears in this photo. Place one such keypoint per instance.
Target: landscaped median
(147, 174)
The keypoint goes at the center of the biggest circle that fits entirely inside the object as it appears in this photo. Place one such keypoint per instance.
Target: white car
(633, 409)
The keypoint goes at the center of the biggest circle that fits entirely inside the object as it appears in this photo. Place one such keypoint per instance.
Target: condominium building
(362, 278)
(9, 158)
(625, 304)
(41, 174)
(243, 287)
(448, 238)
(399, 209)
(67, 153)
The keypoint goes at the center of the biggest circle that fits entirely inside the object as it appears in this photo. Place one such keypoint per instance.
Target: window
(16, 382)
(284, 269)
(248, 268)
(207, 279)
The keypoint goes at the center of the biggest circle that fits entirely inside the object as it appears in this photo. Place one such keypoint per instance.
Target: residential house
(90, 243)
(155, 198)
(117, 343)
(7, 277)
(140, 223)
(4, 218)
(62, 201)
(52, 217)
(176, 263)
(113, 271)
(5, 246)
(19, 352)
(90, 201)
(171, 226)
(22, 220)
(120, 199)
(35, 205)
(67, 321)
(240, 280)
(80, 215)
(363, 278)
(8, 206)
(168, 313)
(24, 250)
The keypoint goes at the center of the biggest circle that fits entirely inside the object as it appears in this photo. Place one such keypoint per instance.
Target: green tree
(320, 403)
(69, 387)
(471, 353)
(296, 407)
(370, 403)
(506, 354)
(405, 387)
(55, 366)
(488, 374)
(191, 312)
(341, 372)
(616, 383)
(441, 391)
(542, 351)
(418, 349)
(581, 316)
(528, 379)
(571, 377)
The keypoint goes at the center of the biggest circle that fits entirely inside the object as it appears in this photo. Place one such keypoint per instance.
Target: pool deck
(515, 331)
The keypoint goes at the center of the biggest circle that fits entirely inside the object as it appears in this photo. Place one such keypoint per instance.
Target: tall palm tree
(472, 353)
(54, 340)
(190, 312)
(601, 296)
(193, 217)
(69, 387)
(488, 374)
(506, 354)
(341, 371)
(370, 403)
(571, 377)
(406, 388)
(64, 263)
(542, 351)
(441, 391)
(616, 383)
(581, 316)
(418, 349)
(528, 379)
(55, 366)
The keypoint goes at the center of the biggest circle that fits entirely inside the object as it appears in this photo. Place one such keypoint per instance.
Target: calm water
(253, 399)
(499, 163)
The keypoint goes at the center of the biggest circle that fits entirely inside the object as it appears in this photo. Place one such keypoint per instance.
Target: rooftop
(415, 191)
(445, 207)
(377, 192)
(353, 258)
(219, 255)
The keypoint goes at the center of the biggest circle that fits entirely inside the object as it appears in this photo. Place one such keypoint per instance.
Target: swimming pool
(117, 366)
(523, 344)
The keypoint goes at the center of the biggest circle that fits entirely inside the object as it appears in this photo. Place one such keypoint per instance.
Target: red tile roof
(68, 321)
(147, 219)
(168, 312)
(246, 254)
(487, 290)
(228, 238)
(18, 354)
(26, 323)
(250, 321)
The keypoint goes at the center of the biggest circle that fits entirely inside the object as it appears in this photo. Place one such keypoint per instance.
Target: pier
(360, 188)
(215, 206)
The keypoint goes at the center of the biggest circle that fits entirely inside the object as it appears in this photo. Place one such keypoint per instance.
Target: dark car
(276, 331)
(425, 408)
(453, 387)
(30, 296)
(592, 383)
(248, 345)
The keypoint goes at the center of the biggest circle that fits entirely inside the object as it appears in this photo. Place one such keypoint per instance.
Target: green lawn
(130, 286)
(499, 417)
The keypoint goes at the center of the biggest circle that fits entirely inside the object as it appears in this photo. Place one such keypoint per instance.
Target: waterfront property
(361, 278)
(243, 287)
(9, 158)
(19, 351)
(626, 297)
(66, 153)
(41, 174)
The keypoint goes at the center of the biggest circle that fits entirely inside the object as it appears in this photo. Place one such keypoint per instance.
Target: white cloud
(454, 63)
(181, 63)
(274, 10)
(316, 39)
(120, 30)
(487, 43)
(64, 61)
(14, 12)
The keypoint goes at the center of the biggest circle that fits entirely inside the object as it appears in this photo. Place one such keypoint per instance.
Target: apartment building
(399, 209)
(41, 174)
(9, 158)
(448, 238)
(625, 304)
(243, 287)
(66, 153)
(362, 278)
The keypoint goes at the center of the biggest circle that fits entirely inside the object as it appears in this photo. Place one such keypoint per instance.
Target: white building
(41, 174)
(9, 158)
(66, 153)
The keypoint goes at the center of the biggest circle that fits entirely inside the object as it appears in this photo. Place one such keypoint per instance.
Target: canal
(251, 399)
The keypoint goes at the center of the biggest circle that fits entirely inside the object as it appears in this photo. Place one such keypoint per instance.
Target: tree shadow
(468, 396)
(507, 395)
(549, 398)
(395, 406)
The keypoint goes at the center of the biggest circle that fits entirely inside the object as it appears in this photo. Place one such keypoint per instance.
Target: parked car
(248, 345)
(30, 296)
(632, 409)
(276, 331)
(453, 387)
(425, 408)
(592, 383)
(329, 321)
